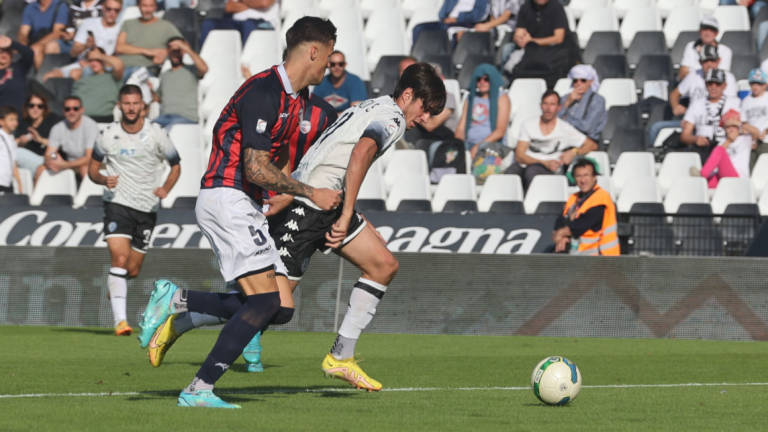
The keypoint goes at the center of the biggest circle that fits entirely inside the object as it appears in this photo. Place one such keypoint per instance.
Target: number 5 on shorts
(258, 236)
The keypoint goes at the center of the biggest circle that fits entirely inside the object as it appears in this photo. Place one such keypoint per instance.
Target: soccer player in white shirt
(133, 152)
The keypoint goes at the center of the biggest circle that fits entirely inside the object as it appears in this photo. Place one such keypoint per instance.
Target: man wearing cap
(701, 124)
(754, 109)
(707, 36)
(583, 108)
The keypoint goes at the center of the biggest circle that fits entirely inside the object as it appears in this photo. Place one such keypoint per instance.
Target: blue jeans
(168, 120)
(658, 126)
(227, 23)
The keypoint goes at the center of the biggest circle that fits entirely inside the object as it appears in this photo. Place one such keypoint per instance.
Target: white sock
(362, 307)
(118, 291)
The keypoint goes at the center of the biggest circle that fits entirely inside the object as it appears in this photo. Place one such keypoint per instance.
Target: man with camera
(177, 92)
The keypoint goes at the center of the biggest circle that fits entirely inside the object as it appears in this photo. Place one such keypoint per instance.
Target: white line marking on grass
(402, 389)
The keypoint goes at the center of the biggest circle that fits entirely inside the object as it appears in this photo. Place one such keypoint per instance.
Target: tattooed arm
(259, 170)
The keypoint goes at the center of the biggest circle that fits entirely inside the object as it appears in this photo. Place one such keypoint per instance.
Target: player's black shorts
(122, 221)
(299, 231)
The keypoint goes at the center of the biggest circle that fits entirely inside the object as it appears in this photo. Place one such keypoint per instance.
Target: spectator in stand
(702, 129)
(707, 36)
(583, 108)
(340, 88)
(588, 223)
(502, 17)
(547, 144)
(78, 11)
(32, 134)
(99, 32)
(754, 109)
(541, 33)
(9, 120)
(246, 16)
(13, 74)
(44, 24)
(454, 16)
(72, 140)
(485, 114)
(753, 5)
(177, 93)
(693, 88)
(141, 42)
(98, 91)
(730, 158)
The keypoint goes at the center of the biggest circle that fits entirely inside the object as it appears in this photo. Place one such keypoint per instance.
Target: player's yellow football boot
(350, 371)
(161, 341)
(123, 329)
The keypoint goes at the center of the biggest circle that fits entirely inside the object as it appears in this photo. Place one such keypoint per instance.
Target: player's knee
(389, 266)
(283, 316)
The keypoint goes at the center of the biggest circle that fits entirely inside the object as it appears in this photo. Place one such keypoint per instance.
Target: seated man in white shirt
(701, 124)
(547, 144)
(246, 16)
(754, 112)
(708, 31)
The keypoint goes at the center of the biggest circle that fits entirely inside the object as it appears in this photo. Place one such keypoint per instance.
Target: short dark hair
(549, 93)
(7, 110)
(310, 29)
(338, 52)
(426, 85)
(73, 97)
(584, 162)
(172, 39)
(129, 89)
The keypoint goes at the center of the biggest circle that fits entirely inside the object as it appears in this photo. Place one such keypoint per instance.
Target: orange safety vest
(603, 242)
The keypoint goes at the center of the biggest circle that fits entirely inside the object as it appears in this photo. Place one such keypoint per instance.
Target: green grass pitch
(434, 383)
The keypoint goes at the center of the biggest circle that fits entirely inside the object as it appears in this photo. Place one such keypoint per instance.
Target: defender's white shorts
(238, 232)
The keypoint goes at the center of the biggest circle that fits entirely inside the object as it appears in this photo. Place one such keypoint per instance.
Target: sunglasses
(71, 108)
(580, 80)
(112, 9)
(32, 105)
(484, 78)
(339, 64)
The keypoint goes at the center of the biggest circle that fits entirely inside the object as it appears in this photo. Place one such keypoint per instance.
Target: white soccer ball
(556, 380)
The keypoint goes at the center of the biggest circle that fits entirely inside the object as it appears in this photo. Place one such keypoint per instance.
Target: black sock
(253, 316)
(216, 304)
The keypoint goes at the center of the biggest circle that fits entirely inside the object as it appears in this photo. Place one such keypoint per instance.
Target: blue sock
(253, 316)
(216, 304)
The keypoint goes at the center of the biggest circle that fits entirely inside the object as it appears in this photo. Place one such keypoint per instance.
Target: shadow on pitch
(237, 395)
(96, 331)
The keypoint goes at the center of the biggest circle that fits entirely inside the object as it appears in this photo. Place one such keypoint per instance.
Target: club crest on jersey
(261, 126)
(305, 126)
(112, 226)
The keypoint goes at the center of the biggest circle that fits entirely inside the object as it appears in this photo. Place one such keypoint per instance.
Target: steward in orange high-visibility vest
(588, 223)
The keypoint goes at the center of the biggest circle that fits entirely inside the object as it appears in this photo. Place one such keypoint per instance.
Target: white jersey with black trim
(137, 160)
(325, 164)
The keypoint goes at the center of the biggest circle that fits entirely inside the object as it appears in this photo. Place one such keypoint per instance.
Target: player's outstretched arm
(260, 170)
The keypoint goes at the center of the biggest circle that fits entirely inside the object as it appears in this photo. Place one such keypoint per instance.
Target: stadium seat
(639, 190)
(385, 75)
(666, 6)
(431, 42)
(129, 12)
(739, 225)
(610, 66)
(676, 166)
(525, 92)
(472, 43)
(500, 188)
(185, 202)
(732, 190)
(59, 89)
(552, 188)
(507, 207)
(639, 19)
(261, 50)
(650, 234)
(387, 19)
(52, 61)
(597, 19)
(653, 67)
(11, 12)
(681, 19)
(645, 42)
(602, 43)
(470, 63)
(57, 200)
(731, 18)
(373, 184)
(563, 86)
(618, 92)
(185, 19)
(623, 6)
(411, 8)
(445, 63)
(404, 163)
(186, 139)
(601, 157)
(695, 232)
(61, 183)
(294, 6)
(550, 208)
(686, 190)
(760, 174)
(741, 64)
(740, 42)
(604, 182)
(626, 140)
(221, 50)
(676, 53)
(411, 189)
(87, 189)
(632, 165)
(347, 17)
(579, 6)
(211, 8)
(14, 200)
(762, 202)
(452, 88)
(619, 117)
(26, 182)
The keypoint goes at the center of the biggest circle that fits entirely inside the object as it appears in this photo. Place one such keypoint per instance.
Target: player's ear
(314, 52)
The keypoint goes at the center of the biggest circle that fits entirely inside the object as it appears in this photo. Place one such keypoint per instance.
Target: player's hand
(277, 204)
(338, 232)
(161, 193)
(326, 199)
(111, 182)
(701, 141)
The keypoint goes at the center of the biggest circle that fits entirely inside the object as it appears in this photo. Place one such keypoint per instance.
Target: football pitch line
(352, 390)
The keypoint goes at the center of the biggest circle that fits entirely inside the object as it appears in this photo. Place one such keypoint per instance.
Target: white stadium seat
(676, 166)
(563, 86)
(221, 51)
(602, 160)
(385, 21)
(26, 182)
(760, 174)
(60, 183)
(408, 186)
(639, 19)
(579, 6)
(453, 87)
(708, 5)
(632, 165)
(186, 139)
(732, 190)
(681, 19)
(686, 190)
(348, 19)
(405, 162)
(604, 182)
(731, 18)
(622, 6)
(454, 187)
(762, 203)
(598, 19)
(618, 92)
(420, 14)
(500, 187)
(525, 92)
(665, 6)
(87, 189)
(261, 50)
(639, 190)
(297, 6)
(429, 7)
(545, 188)
(373, 184)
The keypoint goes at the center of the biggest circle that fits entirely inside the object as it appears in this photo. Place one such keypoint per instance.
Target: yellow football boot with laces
(349, 371)
(161, 341)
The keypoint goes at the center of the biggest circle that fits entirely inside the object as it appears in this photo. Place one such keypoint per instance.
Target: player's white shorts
(238, 232)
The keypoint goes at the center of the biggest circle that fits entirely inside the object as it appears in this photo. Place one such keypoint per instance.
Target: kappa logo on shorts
(261, 126)
(298, 210)
(112, 226)
(292, 225)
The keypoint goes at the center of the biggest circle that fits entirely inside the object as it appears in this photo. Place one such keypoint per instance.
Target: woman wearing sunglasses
(583, 108)
(32, 134)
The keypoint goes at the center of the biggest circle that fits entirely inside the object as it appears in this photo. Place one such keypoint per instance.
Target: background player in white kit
(133, 152)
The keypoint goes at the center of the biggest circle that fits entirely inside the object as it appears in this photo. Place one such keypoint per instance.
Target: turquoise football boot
(159, 308)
